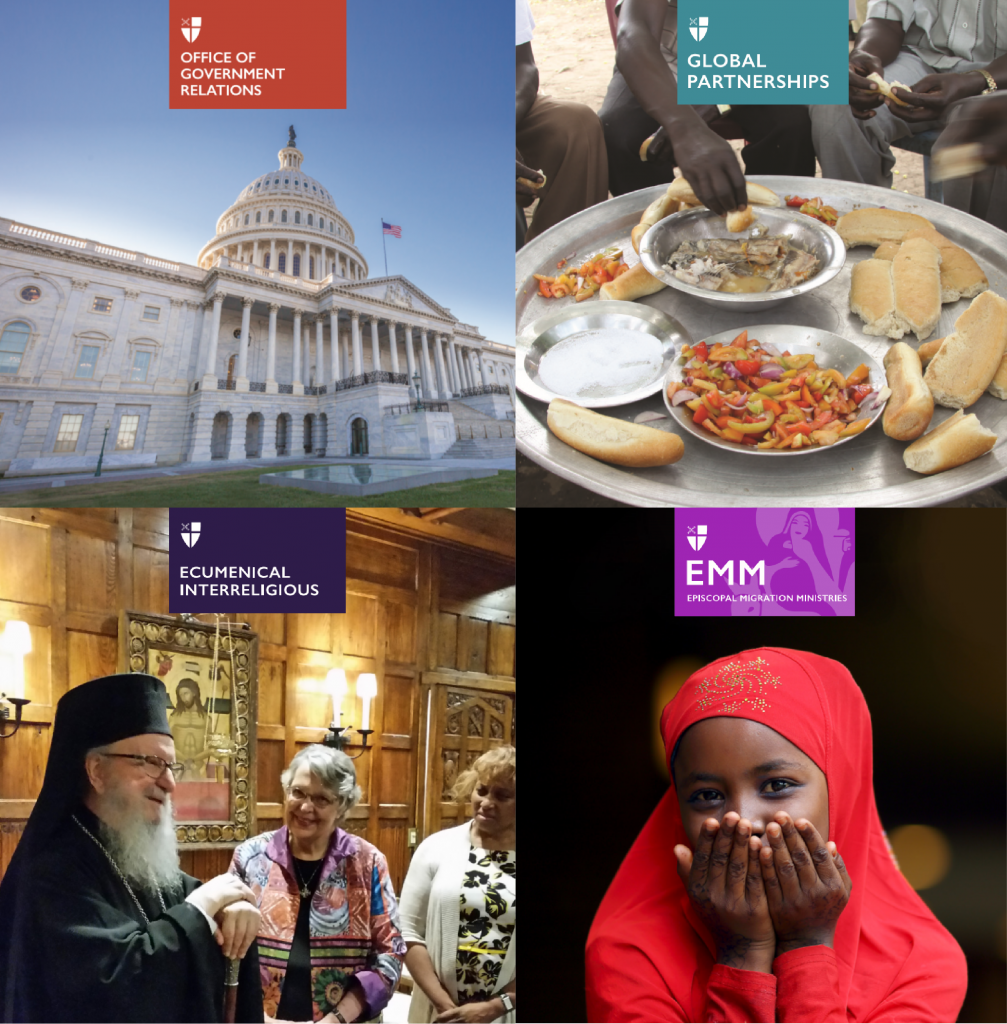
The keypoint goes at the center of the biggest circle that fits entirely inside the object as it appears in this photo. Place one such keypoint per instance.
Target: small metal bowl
(572, 323)
(805, 233)
(830, 352)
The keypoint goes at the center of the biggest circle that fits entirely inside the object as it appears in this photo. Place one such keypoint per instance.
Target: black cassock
(84, 953)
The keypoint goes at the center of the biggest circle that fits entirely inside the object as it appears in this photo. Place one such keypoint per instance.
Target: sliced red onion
(732, 371)
(682, 396)
(646, 417)
(688, 381)
(771, 349)
(771, 371)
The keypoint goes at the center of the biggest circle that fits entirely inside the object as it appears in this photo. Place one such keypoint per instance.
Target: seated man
(97, 921)
(642, 97)
(561, 139)
(945, 51)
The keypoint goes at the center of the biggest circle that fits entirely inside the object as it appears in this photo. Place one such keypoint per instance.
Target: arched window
(283, 217)
(13, 342)
(246, 220)
(297, 216)
(311, 268)
(321, 223)
(265, 261)
(309, 220)
(258, 217)
(283, 262)
(270, 216)
(297, 265)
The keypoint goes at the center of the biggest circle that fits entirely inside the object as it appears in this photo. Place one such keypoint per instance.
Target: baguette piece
(886, 90)
(610, 439)
(911, 406)
(872, 298)
(928, 350)
(872, 226)
(961, 276)
(887, 250)
(738, 220)
(957, 161)
(998, 385)
(967, 362)
(959, 439)
(917, 280)
(660, 208)
(759, 195)
(634, 284)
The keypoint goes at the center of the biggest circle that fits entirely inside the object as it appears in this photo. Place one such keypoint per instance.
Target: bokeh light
(923, 853)
(668, 682)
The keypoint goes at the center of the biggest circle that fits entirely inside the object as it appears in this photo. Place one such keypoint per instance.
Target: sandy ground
(575, 56)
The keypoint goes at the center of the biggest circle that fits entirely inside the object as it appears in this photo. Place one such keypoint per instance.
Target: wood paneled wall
(414, 605)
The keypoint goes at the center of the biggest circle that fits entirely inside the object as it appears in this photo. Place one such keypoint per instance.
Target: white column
(334, 335)
(444, 389)
(320, 377)
(410, 360)
(393, 347)
(345, 345)
(119, 359)
(358, 352)
(272, 255)
(486, 376)
(306, 343)
(271, 388)
(297, 352)
(455, 365)
(290, 257)
(428, 382)
(211, 353)
(241, 384)
(255, 253)
(375, 351)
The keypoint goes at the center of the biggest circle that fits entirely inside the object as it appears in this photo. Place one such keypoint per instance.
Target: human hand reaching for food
(806, 883)
(724, 881)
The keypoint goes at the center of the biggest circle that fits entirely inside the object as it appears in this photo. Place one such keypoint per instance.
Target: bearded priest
(97, 920)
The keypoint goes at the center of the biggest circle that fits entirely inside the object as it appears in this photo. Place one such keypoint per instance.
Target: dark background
(927, 647)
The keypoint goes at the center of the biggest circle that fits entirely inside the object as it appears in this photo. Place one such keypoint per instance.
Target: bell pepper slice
(753, 428)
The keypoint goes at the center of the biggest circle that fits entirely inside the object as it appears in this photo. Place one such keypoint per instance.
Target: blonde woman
(457, 906)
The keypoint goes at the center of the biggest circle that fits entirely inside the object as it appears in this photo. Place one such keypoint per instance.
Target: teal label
(774, 51)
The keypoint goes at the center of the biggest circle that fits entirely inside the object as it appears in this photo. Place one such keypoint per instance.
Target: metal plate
(869, 471)
(806, 233)
(830, 352)
(597, 356)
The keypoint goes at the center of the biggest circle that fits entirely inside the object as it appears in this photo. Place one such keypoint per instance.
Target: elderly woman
(329, 946)
(458, 904)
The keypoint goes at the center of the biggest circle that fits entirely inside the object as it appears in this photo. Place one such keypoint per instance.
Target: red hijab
(648, 951)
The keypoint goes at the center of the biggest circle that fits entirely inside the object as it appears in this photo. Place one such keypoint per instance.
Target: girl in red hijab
(762, 888)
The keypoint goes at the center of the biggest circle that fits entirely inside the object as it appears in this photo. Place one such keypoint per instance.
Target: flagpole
(384, 245)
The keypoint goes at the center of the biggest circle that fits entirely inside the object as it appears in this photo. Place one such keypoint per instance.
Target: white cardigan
(428, 911)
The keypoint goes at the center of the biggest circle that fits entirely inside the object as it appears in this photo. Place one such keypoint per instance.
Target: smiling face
(121, 789)
(312, 811)
(733, 764)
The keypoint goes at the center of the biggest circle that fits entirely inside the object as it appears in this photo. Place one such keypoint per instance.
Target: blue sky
(90, 147)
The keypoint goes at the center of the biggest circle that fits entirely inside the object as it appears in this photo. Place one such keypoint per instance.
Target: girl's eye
(779, 785)
(705, 796)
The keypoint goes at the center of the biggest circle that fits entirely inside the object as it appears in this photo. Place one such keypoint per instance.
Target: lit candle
(336, 682)
(367, 687)
(15, 642)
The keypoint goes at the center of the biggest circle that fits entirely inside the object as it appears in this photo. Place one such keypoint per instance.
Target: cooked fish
(735, 265)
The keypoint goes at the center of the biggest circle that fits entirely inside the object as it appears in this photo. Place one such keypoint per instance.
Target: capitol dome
(286, 221)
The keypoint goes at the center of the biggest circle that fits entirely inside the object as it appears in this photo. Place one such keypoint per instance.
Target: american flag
(392, 229)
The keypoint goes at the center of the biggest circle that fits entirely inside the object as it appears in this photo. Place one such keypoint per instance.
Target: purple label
(257, 559)
(764, 561)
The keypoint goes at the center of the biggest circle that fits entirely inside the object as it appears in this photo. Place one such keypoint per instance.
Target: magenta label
(748, 561)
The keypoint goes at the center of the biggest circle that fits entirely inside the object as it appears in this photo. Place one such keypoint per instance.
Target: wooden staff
(231, 990)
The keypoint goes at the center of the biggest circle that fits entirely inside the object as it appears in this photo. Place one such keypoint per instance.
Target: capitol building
(276, 342)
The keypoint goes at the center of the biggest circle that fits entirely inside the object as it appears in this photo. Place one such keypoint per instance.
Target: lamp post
(97, 472)
(419, 400)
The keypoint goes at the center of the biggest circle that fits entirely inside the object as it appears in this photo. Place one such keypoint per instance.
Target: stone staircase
(481, 448)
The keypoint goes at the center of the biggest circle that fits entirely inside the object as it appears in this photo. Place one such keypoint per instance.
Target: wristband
(991, 81)
(506, 1000)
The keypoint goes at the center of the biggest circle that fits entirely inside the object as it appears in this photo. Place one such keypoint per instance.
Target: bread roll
(738, 220)
(957, 161)
(911, 406)
(928, 350)
(872, 298)
(759, 195)
(916, 277)
(886, 90)
(612, 440)
(634, 284)
(998, 385)
(872, 226)
(961, 276)
(967, 362)
(660, 208)
(533, 184)
(887, 250)
(959, 439)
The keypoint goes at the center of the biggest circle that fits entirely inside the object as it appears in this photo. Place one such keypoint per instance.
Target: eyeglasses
(319, 801)
(153, 766)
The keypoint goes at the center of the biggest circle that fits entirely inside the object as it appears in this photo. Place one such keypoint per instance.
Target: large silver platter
(831, 353)
(867, 471)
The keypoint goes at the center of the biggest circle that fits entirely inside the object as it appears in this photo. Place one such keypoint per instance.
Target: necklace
(117, 870)
(305, 889)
